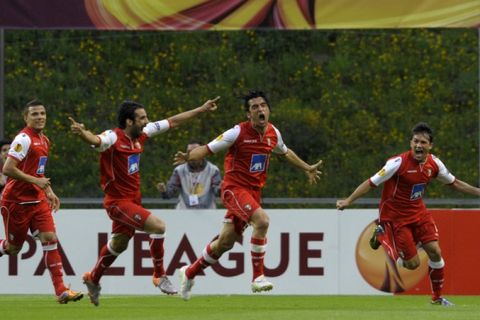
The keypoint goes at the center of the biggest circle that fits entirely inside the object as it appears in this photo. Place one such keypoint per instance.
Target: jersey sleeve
(225, 140)
(154, 128)
(107, 139)
(444, 176)
(19, 147)
(388, 170)
(280, 148)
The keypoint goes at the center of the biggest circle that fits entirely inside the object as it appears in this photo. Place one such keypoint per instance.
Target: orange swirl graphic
(381, 272)
(281, 14)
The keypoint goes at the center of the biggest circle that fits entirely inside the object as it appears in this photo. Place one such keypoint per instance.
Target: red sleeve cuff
(209, 150)
(373, 185)
(14, 158)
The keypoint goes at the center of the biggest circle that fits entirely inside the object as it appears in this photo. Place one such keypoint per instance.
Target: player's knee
(262, 223)
(435, 255)
(119, 244)
(47, 237)
(411, 264)
(155, 225)
(13, 250)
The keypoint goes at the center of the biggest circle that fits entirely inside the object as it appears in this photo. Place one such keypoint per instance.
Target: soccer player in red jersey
(120, 151)
(28, 200)
(249, 146)
(404, 220)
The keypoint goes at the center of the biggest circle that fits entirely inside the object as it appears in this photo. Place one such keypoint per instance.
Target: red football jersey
(246, 161)
(120, 166)
(120, 160)
(31, 150)
(405, 183)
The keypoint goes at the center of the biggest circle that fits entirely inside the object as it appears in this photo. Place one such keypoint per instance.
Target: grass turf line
(233, 307)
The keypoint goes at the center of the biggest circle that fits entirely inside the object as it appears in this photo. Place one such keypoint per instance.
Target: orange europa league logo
(380, 271)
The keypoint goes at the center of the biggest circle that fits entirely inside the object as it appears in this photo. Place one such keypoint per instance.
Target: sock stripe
(259, 242)
(157, 235)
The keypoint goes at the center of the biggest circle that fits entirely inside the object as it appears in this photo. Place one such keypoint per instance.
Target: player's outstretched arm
(312, 171)
(87, 136)
(363, 188)
(198, 153)
(209, 105)
(464, 187)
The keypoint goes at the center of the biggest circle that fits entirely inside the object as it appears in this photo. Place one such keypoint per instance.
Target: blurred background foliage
(347, 97)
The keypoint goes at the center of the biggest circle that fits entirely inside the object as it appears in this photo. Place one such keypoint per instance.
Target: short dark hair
(33, 103)
(254, 94)
(127, 111)
(423, 128)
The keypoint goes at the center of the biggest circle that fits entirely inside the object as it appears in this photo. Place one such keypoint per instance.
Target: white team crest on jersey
(429, 172)
(269, 142)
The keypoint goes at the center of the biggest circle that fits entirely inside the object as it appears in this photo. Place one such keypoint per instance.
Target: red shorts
(406, 236)
(19, 218)
(241, 203)
(127, 216)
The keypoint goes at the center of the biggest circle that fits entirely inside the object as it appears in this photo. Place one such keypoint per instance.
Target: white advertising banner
(310, 251)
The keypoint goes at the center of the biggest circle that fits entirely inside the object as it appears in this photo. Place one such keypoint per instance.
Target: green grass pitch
(264, 307)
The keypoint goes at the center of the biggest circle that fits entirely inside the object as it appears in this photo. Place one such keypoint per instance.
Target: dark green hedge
(347, 97)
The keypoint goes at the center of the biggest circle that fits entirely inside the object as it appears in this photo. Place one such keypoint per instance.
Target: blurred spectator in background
(5, 146)
(197, 182)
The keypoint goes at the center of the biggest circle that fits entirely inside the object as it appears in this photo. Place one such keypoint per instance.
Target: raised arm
(312, 171)
(209, 105)
(198, 153)
(87, 136)
(363, 188)
(464, 187)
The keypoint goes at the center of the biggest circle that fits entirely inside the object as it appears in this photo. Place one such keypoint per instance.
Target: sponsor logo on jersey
(36, 143)
(269, 142)
(124, 146)
(258, 162)
(429, 172)
(134, 163)
(250, 140)
(417, 191)
(18, 148)
(42, 162)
